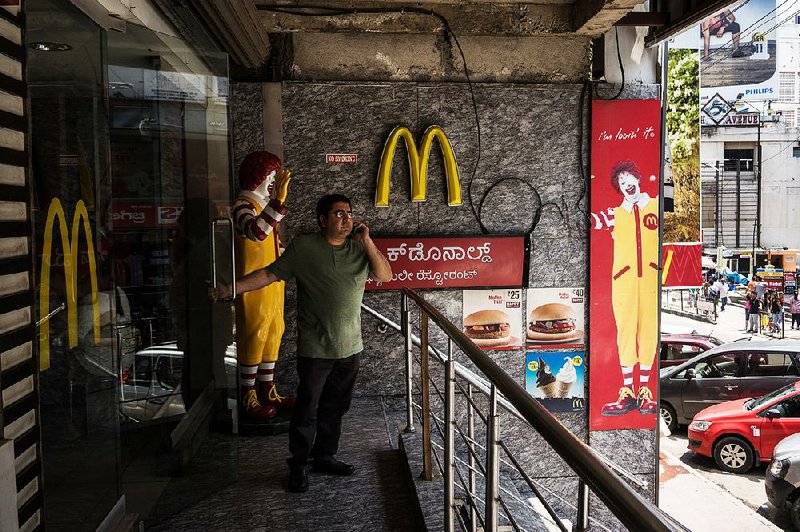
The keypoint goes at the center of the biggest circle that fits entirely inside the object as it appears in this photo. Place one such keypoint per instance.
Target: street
(748, 488)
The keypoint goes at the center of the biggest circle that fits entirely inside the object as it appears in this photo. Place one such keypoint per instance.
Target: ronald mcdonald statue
(634, 287)
(259, 314)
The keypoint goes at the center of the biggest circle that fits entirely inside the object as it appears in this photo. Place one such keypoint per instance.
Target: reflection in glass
(77, 378)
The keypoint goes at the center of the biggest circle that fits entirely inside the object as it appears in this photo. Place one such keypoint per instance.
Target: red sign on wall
(454, 262)
(624, 271)
(131, 215)
(341, 158)
(681, 264)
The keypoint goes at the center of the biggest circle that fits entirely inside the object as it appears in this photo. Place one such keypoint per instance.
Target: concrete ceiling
(481, 17)
(243, 26)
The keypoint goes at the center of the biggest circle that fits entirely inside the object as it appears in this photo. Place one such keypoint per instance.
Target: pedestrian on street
(755, 308)
(331, 269)
(748, 298)
(723, 295)
(794, 308)
(776, 312)
(761, 289)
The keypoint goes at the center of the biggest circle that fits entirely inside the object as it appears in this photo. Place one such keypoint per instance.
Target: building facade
(123, 123)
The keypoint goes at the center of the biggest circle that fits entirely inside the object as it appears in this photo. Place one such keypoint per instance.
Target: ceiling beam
(521, 19)
(238, 28)
(595, 17)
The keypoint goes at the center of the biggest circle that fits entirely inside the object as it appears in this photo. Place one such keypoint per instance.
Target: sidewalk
(699, 504)
(730, 325)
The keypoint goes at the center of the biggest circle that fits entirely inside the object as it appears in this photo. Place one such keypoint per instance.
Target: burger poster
(624, 267)
(556, 379)
(493, 318)
(554, 317)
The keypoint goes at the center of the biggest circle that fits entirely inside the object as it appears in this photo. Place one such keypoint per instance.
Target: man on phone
(331, 269)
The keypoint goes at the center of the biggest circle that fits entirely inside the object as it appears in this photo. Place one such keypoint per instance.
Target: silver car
(783, 477)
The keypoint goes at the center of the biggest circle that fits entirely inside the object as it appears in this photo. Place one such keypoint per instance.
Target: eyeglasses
(344, 214)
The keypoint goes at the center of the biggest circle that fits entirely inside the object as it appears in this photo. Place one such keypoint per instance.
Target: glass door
(170, 178)
(78, 381)
(130, 165)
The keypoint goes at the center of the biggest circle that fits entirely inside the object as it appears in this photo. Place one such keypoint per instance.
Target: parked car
(782, 480)
(150, 387)
(743, 432)
(678, 348)
(731, 371)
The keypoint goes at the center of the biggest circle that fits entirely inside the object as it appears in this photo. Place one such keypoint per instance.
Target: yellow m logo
(69, 243)
(418, 163)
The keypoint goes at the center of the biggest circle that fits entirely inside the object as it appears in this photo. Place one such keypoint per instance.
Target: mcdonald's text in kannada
(129, 216)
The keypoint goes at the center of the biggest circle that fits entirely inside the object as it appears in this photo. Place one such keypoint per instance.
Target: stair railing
(502, 391)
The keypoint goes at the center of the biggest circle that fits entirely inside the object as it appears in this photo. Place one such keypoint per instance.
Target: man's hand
(360, 232)
(281, 188)
(380, 269)
(220, 292)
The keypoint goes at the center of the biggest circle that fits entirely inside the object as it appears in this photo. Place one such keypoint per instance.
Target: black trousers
(323, 398)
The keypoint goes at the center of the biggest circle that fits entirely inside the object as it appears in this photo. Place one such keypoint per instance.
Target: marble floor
(379, 496)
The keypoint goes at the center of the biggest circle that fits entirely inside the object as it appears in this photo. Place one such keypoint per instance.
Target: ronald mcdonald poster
(624, 265)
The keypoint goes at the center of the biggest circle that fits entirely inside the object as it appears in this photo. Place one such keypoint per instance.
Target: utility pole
(758, 188)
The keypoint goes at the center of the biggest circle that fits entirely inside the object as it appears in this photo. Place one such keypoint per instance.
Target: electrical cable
(323, 11)
(720, 51)
(621, 69)
(581, 113)
(722, 48)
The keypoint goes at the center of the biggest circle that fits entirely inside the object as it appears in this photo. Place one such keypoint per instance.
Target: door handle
(731, 387)
(214, 223)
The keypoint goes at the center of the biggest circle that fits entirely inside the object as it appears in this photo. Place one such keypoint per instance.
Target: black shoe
(298, 479)
(332, 466)
(738, 53)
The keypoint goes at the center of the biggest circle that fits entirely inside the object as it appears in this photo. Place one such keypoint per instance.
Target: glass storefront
(129, 167)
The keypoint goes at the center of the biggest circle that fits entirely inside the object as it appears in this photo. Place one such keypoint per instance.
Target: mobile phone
(356, 229)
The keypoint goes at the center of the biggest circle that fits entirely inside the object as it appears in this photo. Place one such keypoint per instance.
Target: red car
(740, 433)
(678, 348)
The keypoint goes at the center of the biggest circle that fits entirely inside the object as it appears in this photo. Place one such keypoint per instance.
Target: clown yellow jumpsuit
(259, 314)
(634, 290)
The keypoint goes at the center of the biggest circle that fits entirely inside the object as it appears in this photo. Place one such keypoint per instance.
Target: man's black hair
(326, 202)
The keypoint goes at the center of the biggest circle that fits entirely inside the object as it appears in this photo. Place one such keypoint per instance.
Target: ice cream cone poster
(555, 378)
(493, 318)
(624, 264)
(554, 317)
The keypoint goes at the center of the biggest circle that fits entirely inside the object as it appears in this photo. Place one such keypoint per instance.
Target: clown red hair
(256, 167)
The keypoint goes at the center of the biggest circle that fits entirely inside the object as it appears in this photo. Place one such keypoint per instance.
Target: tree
(683, 130)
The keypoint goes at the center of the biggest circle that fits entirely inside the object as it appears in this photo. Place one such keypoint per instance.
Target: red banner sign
(132, 215)
(681, 265)
(454, 262)
(624, 271)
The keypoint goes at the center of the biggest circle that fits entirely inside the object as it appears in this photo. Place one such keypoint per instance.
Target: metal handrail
(484, 387)
(628, 506)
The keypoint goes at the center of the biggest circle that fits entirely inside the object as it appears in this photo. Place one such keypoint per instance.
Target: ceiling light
(50, 46)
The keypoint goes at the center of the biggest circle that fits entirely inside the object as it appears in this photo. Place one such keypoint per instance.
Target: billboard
(738, 51)
(624, 270)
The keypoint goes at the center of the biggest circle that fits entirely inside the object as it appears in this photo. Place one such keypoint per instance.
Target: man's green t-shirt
(330, 288)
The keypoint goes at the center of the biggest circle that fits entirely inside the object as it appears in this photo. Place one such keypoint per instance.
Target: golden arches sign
(69, 243)
(418, 164)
